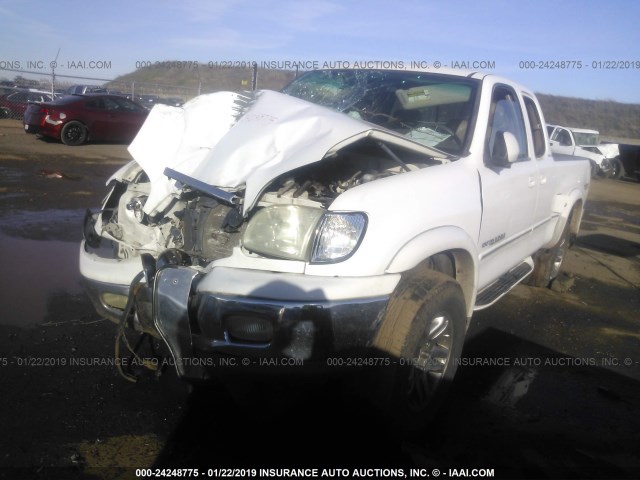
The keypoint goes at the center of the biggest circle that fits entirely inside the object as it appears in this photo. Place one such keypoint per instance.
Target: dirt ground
(548, 386)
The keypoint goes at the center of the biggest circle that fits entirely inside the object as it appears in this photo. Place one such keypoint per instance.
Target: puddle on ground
(12, 174)
(33, 271)
(59, 224)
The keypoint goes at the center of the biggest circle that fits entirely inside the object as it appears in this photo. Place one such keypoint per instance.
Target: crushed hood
(609, 150)
(231, 141)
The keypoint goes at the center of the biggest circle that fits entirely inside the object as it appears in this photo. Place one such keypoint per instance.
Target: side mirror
(505, 149)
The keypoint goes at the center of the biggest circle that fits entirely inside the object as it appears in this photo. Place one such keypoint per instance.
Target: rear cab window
(536, 126)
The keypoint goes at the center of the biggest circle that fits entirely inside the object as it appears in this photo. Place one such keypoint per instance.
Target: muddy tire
(422, 334)
(617, 169)
(547, 262)
(73, 133)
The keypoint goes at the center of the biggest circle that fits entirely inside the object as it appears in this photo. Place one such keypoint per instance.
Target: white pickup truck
(358, 217)
(604, 158)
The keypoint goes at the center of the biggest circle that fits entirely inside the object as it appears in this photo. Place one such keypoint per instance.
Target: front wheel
(617, 169)
(423, 332)
(73, 133)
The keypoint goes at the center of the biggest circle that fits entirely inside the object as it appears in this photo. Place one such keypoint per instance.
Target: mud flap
(171, 293)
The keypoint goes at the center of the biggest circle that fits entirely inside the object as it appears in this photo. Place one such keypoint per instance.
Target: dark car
(148, 100)
(82, 89)
(171, 101)
(13, 105)
(75, 119)
(629, 161)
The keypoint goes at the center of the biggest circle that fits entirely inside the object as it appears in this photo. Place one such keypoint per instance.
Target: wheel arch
(571, 207)
(575, 213)
(416, 255)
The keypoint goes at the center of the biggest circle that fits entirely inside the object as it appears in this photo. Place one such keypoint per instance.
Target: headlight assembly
(338, 236)
(282, 231)
(302, 233)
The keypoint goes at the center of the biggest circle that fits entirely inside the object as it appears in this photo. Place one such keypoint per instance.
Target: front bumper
(252, 321)
(107, 281)
(205, 329)
(605, 166)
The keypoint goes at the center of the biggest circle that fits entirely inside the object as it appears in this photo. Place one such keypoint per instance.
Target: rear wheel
(423, 332)
(73, 133)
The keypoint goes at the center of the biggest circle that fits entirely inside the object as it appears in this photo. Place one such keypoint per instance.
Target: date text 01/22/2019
(579, 65)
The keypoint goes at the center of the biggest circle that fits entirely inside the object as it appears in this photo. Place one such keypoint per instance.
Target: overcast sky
(107, 39)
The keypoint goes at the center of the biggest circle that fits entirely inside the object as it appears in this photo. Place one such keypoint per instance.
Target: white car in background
(581, 142)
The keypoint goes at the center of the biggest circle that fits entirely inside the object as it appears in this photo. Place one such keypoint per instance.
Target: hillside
(189, 82)
(615, 121)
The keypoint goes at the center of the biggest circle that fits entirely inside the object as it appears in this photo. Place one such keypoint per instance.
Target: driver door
(509, 189)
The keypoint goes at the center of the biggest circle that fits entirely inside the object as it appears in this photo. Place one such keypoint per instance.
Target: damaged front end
(205, 240)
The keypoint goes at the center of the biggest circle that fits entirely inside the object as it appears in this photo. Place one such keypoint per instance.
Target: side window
(95, 103)
(562, 136)
(506, 117)
(128, 106)
(110, 104)
(536, 127)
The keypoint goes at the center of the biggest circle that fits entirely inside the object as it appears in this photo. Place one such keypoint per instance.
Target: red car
(75, 119)
(13, 105)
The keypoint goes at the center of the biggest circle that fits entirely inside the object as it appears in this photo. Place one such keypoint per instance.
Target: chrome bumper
(204, 330)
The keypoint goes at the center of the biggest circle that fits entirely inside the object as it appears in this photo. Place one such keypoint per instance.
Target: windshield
(585, 139)
(431, 109)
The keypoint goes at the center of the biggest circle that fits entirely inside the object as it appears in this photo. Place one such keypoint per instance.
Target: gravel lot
(548, 387)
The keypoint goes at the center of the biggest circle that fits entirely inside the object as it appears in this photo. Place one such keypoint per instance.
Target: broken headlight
(135, 206)
(302, 233)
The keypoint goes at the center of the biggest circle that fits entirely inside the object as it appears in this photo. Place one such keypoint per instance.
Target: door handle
(543, 179)
(532, 182)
